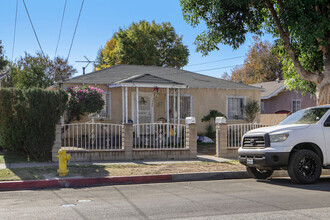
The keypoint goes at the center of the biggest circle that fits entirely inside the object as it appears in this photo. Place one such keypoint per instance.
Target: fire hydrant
(63, 159)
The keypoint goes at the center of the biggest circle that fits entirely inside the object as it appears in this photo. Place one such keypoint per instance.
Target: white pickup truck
(300, 144)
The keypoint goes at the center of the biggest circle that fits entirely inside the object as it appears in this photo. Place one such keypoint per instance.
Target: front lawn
(50, 172)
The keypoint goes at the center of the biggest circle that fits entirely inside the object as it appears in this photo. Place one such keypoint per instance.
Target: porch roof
(148, 80)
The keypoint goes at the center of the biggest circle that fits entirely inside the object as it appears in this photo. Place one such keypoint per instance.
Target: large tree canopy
(302, 27)
(261, 64)
(39, 71)
(144, 44)
(3, 61)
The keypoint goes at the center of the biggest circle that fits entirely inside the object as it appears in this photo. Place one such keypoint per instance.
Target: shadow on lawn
(50, 172)
(31, 171)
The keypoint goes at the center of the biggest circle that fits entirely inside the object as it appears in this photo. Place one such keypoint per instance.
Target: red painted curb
(59, 183)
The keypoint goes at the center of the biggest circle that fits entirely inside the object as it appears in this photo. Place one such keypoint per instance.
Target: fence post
(57, 143)
(221, 135)
(191, 136)
(127, 140)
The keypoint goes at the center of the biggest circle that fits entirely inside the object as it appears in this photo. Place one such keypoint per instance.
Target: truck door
(326, 133)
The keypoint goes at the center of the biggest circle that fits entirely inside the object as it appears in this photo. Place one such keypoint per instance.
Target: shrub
(209, 128)
(28, 120)
(86, 99)
(251, 110)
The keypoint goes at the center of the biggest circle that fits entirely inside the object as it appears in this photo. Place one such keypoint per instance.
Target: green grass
(11, 157)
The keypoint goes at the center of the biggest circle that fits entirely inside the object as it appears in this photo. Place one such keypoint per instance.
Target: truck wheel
(259, 174)
(305, 167)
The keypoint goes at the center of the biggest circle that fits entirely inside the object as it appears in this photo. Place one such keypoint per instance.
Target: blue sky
(98, 21)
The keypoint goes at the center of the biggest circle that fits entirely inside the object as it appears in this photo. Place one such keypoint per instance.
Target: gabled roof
(270, 89)
(118, 73)
(147, 80)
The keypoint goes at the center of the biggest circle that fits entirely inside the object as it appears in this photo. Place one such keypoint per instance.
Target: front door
(146, 110)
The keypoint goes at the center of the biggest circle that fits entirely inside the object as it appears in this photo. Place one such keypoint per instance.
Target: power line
(218, 68)
(33, 27)
(74, 33)
(59, 36)
(12, 52)
(216, 61)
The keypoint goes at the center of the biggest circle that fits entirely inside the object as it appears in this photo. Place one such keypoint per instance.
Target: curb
(86, 182)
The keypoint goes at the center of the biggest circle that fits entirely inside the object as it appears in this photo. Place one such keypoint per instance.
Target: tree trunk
(323, 94)
(323, 87)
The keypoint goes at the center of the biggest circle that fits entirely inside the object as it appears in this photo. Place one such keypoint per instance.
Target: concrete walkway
(200, 158)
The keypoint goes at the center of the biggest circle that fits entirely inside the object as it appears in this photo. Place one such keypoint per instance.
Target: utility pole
(88, 62)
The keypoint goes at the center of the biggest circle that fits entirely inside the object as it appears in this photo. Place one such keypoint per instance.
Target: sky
(99, 20)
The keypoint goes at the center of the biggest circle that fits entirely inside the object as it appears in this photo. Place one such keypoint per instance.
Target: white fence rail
(159, 135)
(91, 136)
(235, 133)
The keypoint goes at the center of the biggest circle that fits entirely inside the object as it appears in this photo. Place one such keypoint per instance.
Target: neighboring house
(275, 98)
(147, 94)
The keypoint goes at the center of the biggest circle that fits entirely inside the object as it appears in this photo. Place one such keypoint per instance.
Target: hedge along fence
(28, 120)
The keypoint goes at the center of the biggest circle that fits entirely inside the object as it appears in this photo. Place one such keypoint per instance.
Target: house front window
(235, 107)
(185, 106)
(296, 105)
(106, 111)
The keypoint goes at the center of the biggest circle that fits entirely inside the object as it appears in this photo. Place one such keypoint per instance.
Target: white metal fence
(91, 136)
(159, 135)
(235, 133)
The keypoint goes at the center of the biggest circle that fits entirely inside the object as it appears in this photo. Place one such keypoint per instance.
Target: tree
(145, 44)
(251, 110)
(261, 65)
(302, 27)
(39, 71)
(3, 61)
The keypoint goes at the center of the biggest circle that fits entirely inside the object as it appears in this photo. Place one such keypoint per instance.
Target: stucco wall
(204, 100)
(283, 101)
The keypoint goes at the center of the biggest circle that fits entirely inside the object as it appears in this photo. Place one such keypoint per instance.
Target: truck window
(306, 116)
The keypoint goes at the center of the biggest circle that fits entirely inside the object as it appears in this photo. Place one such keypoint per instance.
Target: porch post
(174, 106)
(179, 113)
(137, 105)
(179, 107)
(123, 105)
(167, 111)
(126, 105)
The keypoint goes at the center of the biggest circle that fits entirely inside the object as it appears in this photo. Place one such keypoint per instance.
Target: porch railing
(91, 136)
(235, 133)
(159, 136)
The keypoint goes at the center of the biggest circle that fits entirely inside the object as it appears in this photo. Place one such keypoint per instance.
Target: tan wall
(215, 99)
(204, 100)
(272, 119)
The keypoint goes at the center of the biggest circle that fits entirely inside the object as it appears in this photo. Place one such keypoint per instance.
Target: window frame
(191, 106)
(227, 107)
(107, 110)
(296, 101)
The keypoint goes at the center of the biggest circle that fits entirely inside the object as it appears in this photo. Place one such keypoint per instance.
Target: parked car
(300, 144)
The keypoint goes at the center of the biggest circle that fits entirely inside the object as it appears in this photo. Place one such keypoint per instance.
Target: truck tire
(305, 167)
(259, 174)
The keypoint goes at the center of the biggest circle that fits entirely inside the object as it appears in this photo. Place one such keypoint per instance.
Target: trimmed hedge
(28, 120)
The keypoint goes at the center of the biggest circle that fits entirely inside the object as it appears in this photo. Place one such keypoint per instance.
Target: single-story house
(276, 99)
(147, 94)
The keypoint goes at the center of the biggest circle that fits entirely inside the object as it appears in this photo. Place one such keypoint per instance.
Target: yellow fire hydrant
(63, 159)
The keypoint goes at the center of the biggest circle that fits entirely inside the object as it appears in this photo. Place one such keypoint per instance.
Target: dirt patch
(37, 173)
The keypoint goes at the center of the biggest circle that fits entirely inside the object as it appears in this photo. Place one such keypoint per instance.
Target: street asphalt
(277, 198)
